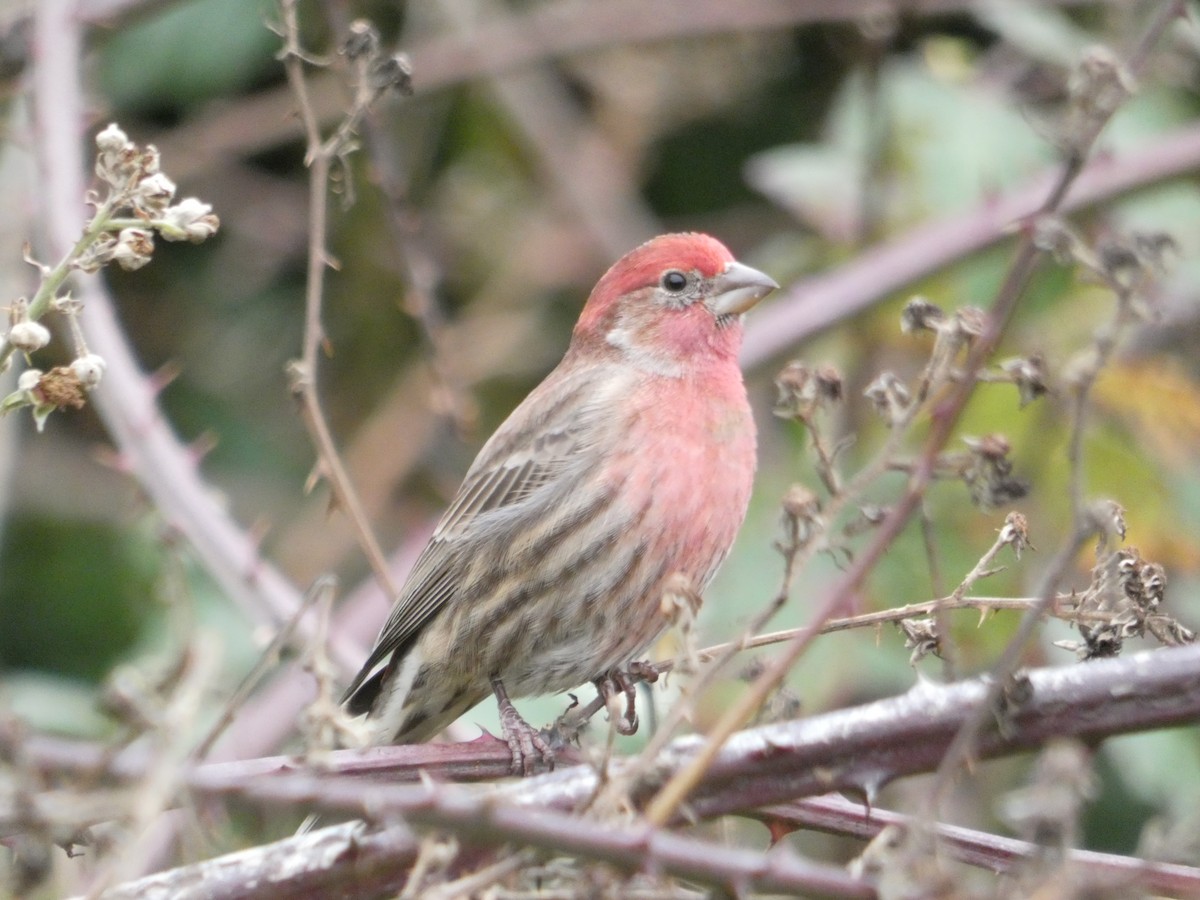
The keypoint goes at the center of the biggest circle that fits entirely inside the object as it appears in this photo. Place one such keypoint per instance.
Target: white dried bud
(154, 192)
(112, 139)
(89, 369)
(189, 220)
(97, 256)
(133, 249)
(29, 336)
(151, 161)
(119, 161)
(29, 379)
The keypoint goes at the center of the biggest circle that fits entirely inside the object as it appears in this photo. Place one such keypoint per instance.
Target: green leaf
(188, 53)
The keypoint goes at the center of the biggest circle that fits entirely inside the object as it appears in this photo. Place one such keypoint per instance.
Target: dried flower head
(112, 139)
(1015, 533)
(988, 472)
(920, 314)
(1054, 236)
(153, 194)
(680, 599)
(1123, 601)
(1153, 578)
(680, 605)
(361, 42)
(393, 73)
(1155, 248)
(802, 391)
(1028, 373)
(61, 387)
(922, 637)
(966, 324)
(150, 163)
(905, 861)
(954, 333)
(1126, 260)
(188, 220)
(867, 517)
(890, 397)
(1107, 519)
(44, 392)
(801, 518)
(133, 248)
(1100, 84)
(119, 161)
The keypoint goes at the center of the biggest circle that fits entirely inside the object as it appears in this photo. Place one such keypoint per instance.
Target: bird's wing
(516, 475)
(531, 457)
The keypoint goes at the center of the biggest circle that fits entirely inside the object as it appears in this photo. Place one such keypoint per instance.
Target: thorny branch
(836, 815)
(379, 860)
(857, 749)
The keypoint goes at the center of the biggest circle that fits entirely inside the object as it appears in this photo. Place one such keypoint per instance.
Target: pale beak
(738, 288)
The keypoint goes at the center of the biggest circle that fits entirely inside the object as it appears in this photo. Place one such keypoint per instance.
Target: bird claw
(524, 741)
(626, 683)
(642, 670)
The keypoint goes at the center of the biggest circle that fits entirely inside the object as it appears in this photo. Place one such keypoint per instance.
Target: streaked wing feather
(502, 476)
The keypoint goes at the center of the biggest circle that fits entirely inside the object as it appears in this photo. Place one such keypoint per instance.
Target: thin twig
(320, 156)
(267, 661)
(157, 787)
(720, 654)
(419, 268)
(470, 885)
(837, 815)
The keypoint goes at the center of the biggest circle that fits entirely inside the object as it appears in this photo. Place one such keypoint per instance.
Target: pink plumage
(628, 466)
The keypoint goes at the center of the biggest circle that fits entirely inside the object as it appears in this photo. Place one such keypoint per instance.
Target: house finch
(627, 469)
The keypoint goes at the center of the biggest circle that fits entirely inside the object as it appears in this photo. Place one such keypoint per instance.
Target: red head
(676, 298)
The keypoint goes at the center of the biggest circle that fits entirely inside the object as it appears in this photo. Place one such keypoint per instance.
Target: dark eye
(674, 281)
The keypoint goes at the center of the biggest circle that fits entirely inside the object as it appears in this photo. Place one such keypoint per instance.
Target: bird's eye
(674, 281)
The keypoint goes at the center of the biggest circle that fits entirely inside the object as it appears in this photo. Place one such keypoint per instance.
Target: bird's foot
(625, 682)
(524, 741)
(641, 670)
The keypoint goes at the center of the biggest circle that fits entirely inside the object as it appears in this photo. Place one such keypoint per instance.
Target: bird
(626, 470)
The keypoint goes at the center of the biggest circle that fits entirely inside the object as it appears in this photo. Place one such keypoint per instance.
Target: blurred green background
(797, 144)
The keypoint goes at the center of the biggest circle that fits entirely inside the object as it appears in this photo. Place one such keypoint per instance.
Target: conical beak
(738, 288)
